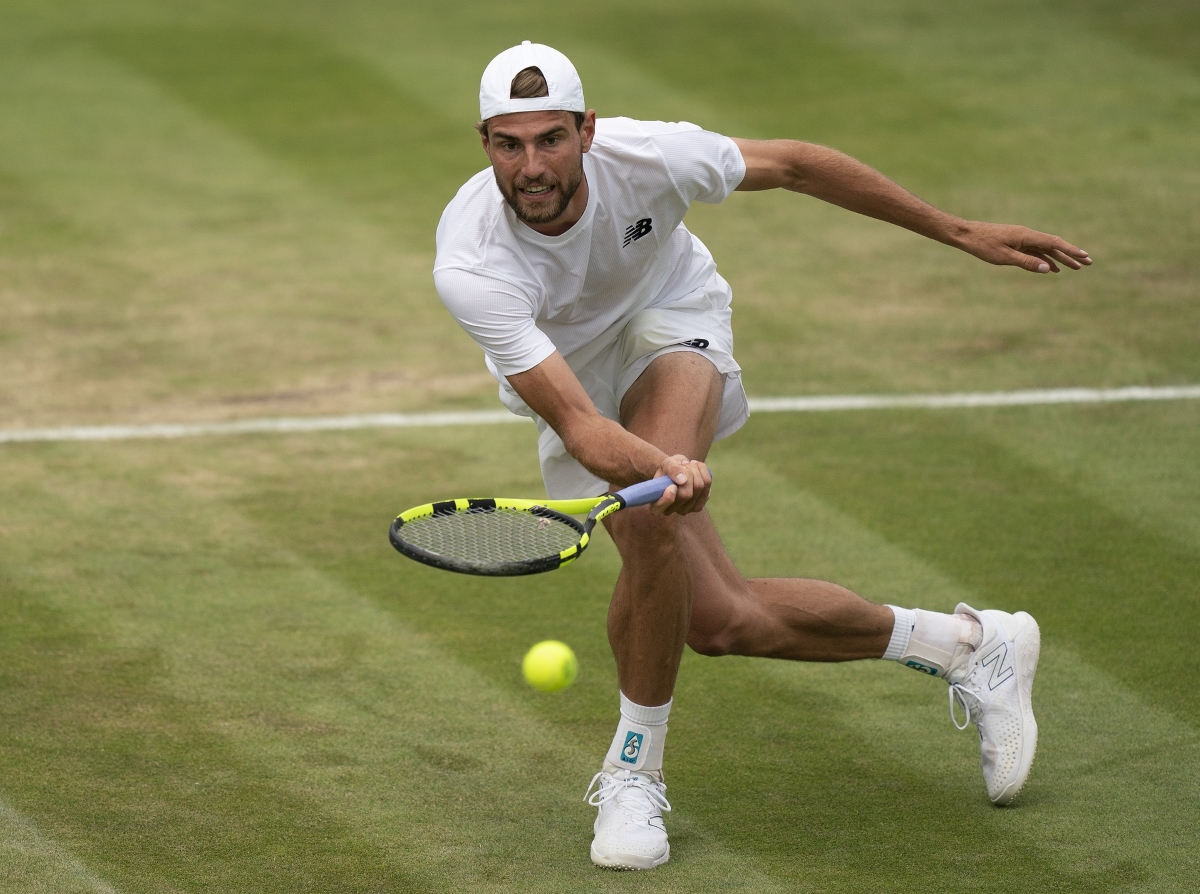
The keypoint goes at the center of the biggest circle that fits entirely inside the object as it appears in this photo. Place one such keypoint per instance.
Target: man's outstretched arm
(837, 178)
(602, 446)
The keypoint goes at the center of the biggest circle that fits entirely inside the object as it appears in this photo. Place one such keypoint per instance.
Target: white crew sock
(931, 642)
(901, 633)
(638, 743)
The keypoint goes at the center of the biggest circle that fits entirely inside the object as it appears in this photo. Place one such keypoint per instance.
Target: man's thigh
(675, 404)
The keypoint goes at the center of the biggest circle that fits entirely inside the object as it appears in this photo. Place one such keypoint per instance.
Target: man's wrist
(658, 466)
(956, 232)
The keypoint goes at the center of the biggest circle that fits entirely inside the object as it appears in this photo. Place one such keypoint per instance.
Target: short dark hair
(530, 83)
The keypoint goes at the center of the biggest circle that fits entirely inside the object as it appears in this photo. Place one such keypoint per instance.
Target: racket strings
(490, 537)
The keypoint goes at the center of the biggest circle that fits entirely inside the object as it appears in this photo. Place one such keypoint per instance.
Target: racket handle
(645, 492)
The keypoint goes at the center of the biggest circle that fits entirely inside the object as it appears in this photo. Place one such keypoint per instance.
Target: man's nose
(532, 164)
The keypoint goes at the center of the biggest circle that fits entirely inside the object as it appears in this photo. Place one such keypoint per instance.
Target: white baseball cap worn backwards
(566, 90)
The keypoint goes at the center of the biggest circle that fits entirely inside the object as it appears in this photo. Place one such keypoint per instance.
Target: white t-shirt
(521, 295)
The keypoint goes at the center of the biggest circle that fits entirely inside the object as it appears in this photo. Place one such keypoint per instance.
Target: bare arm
(837, 178)
(601, 445)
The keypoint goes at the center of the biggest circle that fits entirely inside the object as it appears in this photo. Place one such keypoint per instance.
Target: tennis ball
(550, 666)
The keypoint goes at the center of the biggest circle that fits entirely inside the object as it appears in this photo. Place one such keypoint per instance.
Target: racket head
(494, 537)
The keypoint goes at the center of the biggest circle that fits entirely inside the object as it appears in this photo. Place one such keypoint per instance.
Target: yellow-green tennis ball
(550, 666)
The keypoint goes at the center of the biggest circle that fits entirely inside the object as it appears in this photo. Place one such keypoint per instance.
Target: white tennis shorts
(699, 323)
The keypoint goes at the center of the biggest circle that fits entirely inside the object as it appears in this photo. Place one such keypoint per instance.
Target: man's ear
(587, 132)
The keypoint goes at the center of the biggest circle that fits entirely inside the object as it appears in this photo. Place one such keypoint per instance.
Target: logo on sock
(923, 668)
(632, 748)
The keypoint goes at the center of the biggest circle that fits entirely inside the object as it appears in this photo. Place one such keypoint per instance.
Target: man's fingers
(676, 496)
(695, 486)
(685, 498)
(1070, 256)
(1029, 249)
(701, 486)
(689, 489)
(1065, 259)
(1048, 249)
(1038, 260)
(663, 504)
(1046, 263)
(1055, 244)
(1028, 259)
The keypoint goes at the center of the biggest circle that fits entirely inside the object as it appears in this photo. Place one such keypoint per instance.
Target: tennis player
(607, 322)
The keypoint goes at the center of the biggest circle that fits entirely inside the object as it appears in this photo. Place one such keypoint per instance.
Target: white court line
(245, 426)
(493, 417)
(39, 860)
(976, 399)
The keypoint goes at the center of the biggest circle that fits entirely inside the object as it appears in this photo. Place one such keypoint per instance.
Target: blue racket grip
(645, 492)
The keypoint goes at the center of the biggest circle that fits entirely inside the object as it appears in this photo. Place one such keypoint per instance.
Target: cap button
(526, 43)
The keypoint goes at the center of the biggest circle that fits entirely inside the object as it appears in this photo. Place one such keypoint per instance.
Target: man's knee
(711, 645)
(714, 633)
(714, 642)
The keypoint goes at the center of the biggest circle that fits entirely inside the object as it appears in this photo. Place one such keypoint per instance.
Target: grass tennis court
(216, 675)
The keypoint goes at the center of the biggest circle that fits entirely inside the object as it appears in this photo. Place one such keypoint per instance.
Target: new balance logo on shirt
(636, 231)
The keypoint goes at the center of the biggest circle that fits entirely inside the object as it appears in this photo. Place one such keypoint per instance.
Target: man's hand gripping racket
(501, 537)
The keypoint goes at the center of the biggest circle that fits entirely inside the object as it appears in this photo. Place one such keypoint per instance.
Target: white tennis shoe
(629, 828)
(995, 687)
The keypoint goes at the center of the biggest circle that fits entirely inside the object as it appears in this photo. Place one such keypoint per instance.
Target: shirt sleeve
(705, 166)
(497, 315)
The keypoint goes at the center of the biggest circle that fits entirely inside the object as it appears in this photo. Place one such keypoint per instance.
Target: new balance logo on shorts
(636, 231)
(633, 747)
(1002, 668)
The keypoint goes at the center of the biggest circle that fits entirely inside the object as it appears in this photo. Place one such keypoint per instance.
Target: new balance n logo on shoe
(633, 747)
(636, 231)
(1002, 667)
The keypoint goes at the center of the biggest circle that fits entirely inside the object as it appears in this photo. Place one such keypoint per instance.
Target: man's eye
(551, 141)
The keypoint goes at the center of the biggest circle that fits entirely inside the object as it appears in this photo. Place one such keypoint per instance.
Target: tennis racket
(501, 538)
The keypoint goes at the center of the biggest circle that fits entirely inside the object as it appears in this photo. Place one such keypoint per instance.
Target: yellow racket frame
(595, 508)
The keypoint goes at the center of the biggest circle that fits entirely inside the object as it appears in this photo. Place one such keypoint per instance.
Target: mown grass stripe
(393, 755)
(491, 417)
(1017, 535)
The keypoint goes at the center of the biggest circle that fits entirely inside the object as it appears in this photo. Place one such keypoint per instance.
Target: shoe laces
(960, 695)
(966, 693)
(639, 797)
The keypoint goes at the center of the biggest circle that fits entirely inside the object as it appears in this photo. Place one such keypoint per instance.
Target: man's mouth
(538, 200)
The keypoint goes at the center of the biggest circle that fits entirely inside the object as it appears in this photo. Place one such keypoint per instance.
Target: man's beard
(539, 213)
